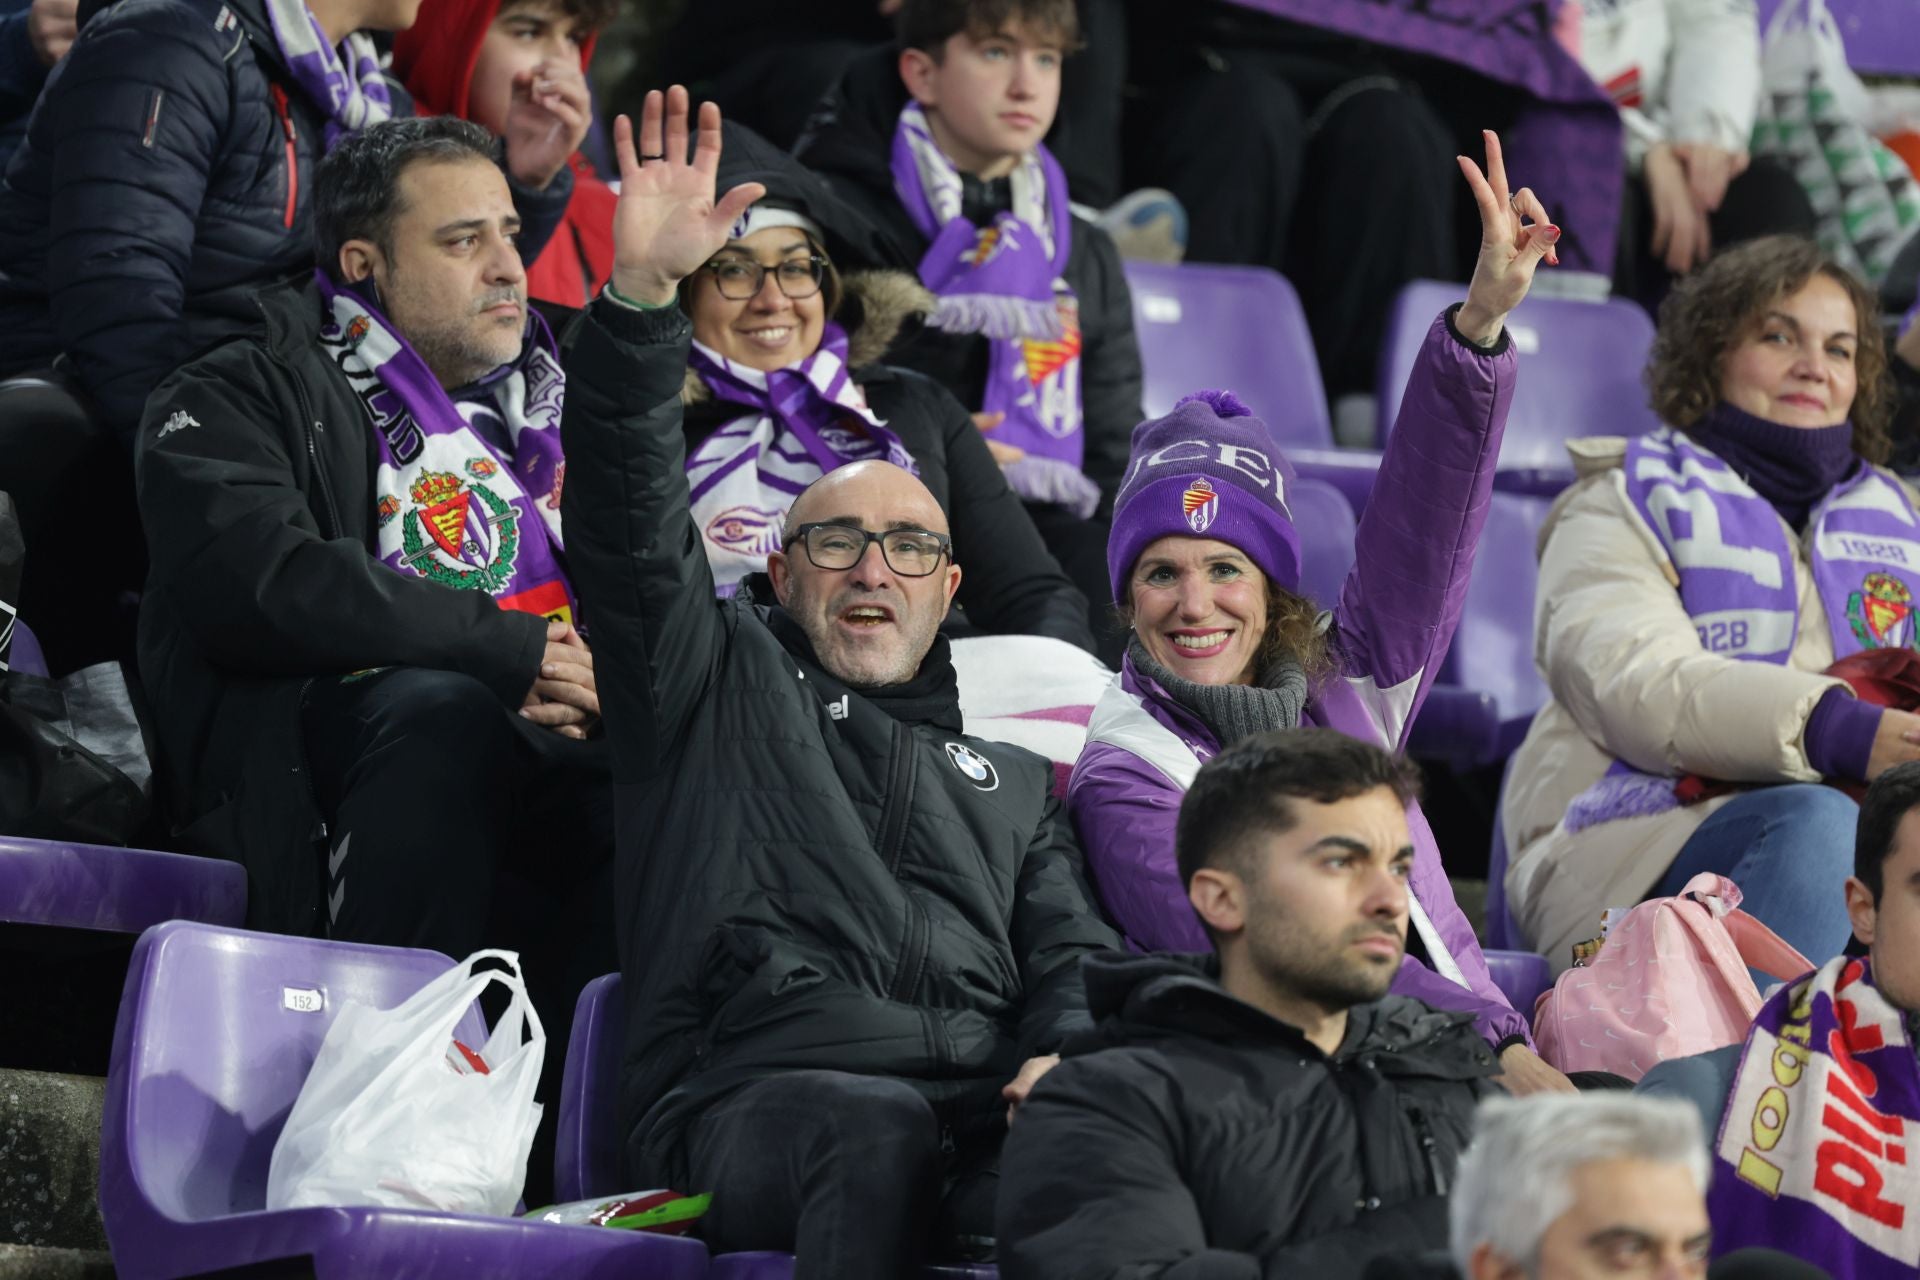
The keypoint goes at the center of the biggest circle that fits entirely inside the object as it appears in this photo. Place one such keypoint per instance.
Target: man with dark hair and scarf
(359, 632)
(850, 933)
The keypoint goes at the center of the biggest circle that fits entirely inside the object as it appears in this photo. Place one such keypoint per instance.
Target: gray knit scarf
(1233, 711)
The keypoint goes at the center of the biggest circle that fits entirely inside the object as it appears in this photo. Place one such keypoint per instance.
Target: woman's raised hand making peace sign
(1515, 234)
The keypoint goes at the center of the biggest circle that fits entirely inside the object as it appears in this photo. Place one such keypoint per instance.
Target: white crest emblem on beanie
(1200, 504)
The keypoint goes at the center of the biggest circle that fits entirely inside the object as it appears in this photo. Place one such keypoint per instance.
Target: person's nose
(1386, 894)
(768, 298)
(559, 48)
(1196, 600)
(1025, 78)
(503, 263)
(1812, 365)
(871, 572)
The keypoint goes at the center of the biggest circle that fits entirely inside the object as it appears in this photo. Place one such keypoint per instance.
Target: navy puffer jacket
(166, 179)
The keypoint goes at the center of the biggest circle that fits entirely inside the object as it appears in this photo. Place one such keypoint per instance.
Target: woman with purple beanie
(1205, 565)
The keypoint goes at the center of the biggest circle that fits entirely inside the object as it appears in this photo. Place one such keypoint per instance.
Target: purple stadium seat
(1521, 977)
(1502, 930)
(1325, 520)
(90, 886)
(217, 1031)
(587, 1154)
(1581, 365)
(1881, 36)
(24, 654)
(1492, 651)
(1242, 329)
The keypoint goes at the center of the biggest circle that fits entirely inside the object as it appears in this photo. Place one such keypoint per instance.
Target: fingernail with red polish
(1550, 233)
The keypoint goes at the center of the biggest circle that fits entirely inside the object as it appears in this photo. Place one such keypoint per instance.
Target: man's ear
(916, 72)
(1486, 1264)
(359, 259)
(782, 574)
(1220, 900)
(1861, 910)
(953, 585)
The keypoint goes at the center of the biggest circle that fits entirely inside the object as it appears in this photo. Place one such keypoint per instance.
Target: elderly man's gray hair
(1517, 1176)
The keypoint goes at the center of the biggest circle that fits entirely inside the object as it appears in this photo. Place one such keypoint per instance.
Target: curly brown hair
(1293, 631)
(1725, 302)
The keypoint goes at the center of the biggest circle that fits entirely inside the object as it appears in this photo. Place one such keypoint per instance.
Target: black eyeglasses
(739, 279)
(911, 553)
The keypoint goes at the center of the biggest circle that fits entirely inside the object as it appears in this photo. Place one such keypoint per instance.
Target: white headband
(761, 217)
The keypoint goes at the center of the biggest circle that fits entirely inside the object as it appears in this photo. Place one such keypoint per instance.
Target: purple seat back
(217, 1031)
(24, 653)
(1492, 652)
(1580, 370)
(1325, 520)
(1880, 35)
(586, 1157)
(1235, 328)
(1521, 977)
(1502, 930)
(90, 886)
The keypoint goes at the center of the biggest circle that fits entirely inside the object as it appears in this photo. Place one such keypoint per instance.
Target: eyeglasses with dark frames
(739, 279)
(911, 553)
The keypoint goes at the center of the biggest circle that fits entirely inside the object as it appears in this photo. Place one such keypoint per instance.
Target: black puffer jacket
(166, 179)
(1011, 582)
(850, 141)
(1193, 1137)
(256, 467)
(806, 876)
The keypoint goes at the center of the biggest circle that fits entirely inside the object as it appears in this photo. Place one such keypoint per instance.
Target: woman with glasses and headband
(782, 387)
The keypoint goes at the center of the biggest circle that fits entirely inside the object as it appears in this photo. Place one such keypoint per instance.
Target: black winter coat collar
(1138, 999)
(932, 697)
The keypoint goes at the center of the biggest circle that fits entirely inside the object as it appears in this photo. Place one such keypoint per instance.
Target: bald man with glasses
(850, 933)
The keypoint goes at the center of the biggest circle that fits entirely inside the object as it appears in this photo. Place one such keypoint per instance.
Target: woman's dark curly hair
(1725, 302)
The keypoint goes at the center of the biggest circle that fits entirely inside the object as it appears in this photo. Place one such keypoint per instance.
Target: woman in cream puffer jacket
(1694, 586)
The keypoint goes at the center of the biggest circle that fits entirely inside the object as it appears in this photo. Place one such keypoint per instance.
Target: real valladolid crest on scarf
(451, 507)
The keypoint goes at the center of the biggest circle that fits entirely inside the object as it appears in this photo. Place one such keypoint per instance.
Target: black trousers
(845, 1171)
(454, 824)
(1341, 178)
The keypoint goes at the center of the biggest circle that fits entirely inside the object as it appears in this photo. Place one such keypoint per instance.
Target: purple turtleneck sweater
(1794, 468)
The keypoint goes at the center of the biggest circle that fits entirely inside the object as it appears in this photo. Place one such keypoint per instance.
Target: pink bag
(1670, 980)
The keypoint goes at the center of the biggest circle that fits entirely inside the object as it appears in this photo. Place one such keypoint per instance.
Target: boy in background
(474, 59)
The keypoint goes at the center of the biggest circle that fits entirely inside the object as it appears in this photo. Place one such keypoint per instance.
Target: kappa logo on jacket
(978, 769)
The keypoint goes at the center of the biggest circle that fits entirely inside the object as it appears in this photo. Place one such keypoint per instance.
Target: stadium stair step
(49, 1173)
(22, 1262)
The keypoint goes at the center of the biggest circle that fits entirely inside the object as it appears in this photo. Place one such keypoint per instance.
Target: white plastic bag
(392, 1114)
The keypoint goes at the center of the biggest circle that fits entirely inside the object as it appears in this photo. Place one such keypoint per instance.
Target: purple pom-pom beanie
(1209, 469)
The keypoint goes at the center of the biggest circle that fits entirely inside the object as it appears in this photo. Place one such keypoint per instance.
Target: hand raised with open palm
(667, 222)
(1511, 247)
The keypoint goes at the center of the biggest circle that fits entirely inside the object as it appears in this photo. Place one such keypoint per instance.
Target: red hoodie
(434, 58)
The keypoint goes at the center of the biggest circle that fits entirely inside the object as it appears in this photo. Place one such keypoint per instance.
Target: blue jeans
(1790, 849)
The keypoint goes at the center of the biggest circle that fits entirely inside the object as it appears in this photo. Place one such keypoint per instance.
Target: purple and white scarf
(744, 476)
(1735, 563)
(450, 506)
(1816, 1154)
(1006, 283)
(345, 82)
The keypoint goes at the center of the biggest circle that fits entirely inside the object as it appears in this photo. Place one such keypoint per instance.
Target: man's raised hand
(1511, 247)
(667, 223)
